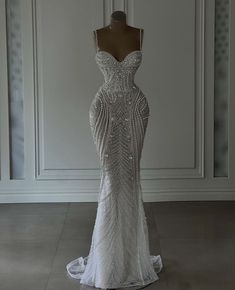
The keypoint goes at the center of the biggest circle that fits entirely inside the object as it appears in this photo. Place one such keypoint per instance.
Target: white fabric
(119, 254)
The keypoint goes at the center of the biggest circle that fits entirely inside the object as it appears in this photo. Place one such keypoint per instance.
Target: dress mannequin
(119, 255)
(118, 38)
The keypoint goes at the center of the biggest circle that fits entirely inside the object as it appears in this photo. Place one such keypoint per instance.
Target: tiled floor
(195, 239)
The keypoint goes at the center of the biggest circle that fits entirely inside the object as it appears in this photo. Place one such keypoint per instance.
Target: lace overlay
(119, 254)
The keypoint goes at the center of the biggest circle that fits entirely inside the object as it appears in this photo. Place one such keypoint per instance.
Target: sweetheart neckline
(137, 50)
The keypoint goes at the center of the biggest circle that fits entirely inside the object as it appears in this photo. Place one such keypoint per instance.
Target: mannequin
(118, 38)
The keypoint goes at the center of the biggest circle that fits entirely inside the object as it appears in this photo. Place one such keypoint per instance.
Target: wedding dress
(119, 254)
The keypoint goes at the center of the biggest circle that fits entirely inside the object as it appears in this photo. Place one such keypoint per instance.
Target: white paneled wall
(60, 79)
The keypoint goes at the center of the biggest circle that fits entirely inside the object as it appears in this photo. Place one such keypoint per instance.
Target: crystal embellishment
(120, 196)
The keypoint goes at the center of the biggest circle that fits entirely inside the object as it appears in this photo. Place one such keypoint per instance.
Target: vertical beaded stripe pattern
(119, 255)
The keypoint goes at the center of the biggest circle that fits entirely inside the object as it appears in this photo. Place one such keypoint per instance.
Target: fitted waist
(117, 87)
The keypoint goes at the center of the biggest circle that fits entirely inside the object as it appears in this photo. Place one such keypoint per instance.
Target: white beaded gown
(119, 255)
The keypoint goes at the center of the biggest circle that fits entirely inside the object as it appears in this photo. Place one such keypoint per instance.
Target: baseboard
(148, 196)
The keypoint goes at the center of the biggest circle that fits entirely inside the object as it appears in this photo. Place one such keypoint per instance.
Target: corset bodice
(118, 75)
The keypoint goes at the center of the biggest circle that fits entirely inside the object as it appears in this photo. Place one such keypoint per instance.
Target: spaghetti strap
(97, 47)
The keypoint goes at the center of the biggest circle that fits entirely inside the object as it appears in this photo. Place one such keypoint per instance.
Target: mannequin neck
(117, 25)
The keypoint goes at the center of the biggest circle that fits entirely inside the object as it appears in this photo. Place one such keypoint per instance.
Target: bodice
(118, 75)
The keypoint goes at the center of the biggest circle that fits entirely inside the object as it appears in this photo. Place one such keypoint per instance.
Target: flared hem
(122, 285)
(77, 267)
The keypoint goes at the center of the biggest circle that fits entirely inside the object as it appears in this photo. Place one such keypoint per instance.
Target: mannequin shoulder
(135, 32)
(101, 31)
(136, 29)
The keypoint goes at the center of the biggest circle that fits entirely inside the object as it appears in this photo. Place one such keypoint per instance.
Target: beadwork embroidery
(119, 255)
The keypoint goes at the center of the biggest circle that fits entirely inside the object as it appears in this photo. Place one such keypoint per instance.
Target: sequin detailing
(119, 255)
(119, 76)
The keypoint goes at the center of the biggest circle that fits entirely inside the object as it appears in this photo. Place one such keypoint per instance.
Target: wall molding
(82, 184)
(197, 171)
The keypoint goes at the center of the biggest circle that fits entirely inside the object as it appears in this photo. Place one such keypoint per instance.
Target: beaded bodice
(119, 75)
